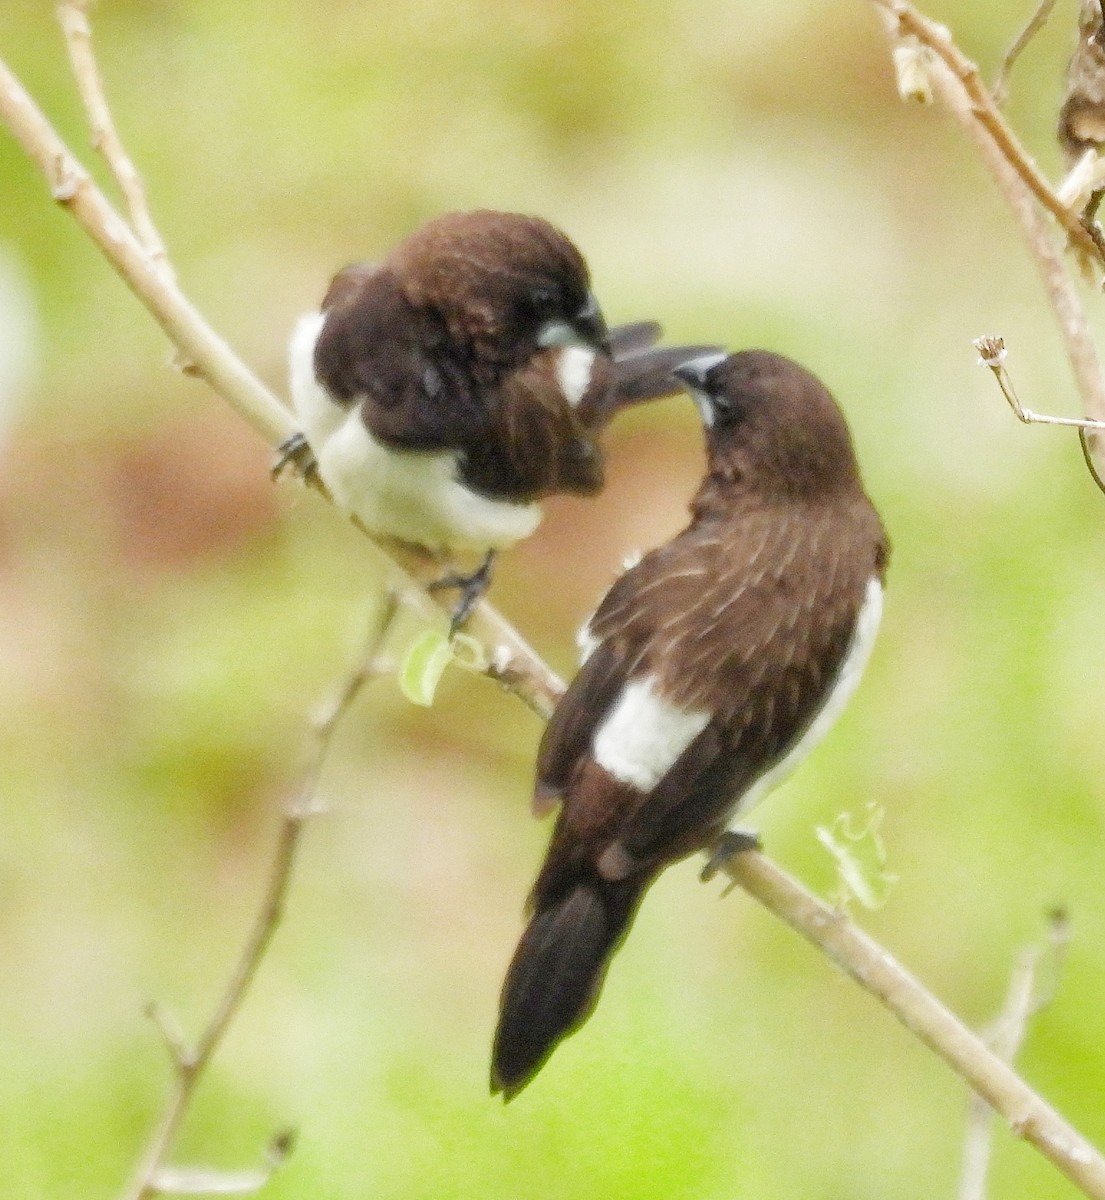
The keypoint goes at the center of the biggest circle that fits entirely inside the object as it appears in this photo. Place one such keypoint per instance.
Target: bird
(1082, 116)
(445, 391)
(710, 669)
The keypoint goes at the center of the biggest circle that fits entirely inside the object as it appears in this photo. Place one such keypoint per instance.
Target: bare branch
(975, 107)
(993, 355)
(72, 188)
(1024, 1000)
(171, 1034)
(960, 90)
(1028, 1115)
(1035, 23)
(73, 15)
(152, 1175)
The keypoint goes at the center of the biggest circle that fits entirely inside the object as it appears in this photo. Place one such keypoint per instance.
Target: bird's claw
(731, 843)
(296, 452)
(472, 588)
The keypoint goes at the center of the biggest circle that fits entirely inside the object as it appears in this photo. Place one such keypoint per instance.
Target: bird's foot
(295, 452)
(471, 587)
(731, 843)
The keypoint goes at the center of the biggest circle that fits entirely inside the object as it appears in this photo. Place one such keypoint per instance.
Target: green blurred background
(169, 620)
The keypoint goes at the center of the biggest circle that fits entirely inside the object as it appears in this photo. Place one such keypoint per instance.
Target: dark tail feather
(553, 981)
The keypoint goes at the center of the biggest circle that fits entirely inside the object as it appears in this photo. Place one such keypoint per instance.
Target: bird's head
(771, 425)
(505, 285)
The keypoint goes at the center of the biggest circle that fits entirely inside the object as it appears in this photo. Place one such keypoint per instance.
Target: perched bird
(446, 390)
(1082, 116)
(711, 668)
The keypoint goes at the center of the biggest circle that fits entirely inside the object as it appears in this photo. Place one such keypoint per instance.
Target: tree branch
(983, 112)
(1035, 23)
(73, 15)
(190, 1063)
(993, 354)
(1028, 1115)
(1024, 999)
(955, 80)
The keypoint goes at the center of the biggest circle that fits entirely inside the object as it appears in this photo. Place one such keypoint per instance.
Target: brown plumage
(1082, 116)
(716, 661)
(447, 389)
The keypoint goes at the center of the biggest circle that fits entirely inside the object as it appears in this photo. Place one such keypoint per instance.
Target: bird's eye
(542, 296)
(725, 410)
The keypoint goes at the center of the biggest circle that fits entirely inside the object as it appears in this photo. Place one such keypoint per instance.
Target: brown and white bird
(1082, 116)
(711, 668)
(446, 390)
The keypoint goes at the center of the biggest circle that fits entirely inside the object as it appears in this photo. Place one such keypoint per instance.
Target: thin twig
(983, 112)
(1035, 23)
(190, 1063)
(75, 191)
(1024, 999)
(993, 355)
(1078, 184)
(1029, 1116)
(961, 100)
(73, 15)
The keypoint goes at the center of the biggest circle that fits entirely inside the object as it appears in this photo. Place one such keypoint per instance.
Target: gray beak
(590, 322)
(693, 372)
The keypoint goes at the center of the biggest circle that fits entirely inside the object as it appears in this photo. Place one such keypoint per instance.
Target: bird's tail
(553, 982)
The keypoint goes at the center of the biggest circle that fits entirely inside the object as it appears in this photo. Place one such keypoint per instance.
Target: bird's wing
(757, 646)
(622, 629)
(377, 351)
(568, 735)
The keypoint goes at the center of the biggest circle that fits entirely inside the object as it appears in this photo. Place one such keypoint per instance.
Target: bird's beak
(591, 324)
(587, 328)
(693, 372)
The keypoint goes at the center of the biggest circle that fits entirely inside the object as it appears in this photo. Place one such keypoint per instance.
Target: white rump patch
(643, 735)
(848, 677)
(573, 372)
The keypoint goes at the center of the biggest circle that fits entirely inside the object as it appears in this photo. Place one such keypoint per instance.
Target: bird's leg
(295, 452)
(472, 588)
(1088, 215)
(728, 845)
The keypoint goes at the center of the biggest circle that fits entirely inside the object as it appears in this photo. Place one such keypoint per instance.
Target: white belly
(408, 494)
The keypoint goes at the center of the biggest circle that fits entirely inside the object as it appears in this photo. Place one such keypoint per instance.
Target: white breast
(412, 495)
(317, 413)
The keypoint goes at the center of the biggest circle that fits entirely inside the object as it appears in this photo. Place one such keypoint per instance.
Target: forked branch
(189, 1063)
(73, 15)
(958, 85)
